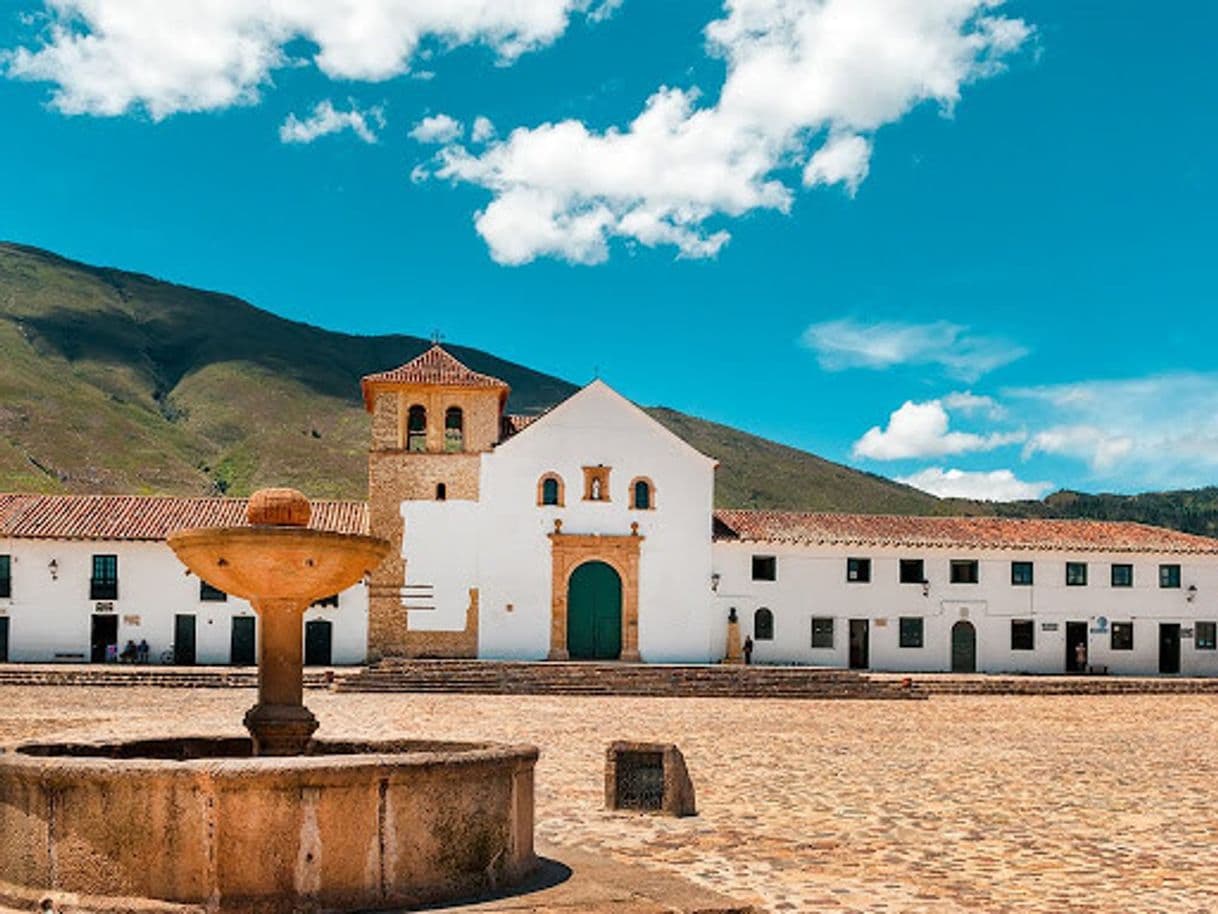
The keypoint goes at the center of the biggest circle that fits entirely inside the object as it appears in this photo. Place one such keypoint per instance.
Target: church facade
(590, 533)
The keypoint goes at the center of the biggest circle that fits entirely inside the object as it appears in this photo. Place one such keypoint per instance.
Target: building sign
(1186, 633)
(1048, 626)
(1101, 626)
(103, 607)
(131, 620)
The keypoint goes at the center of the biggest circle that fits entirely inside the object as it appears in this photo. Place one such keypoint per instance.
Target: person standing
(748, 650)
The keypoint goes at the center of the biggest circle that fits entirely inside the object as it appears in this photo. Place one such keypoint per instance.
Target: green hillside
(117, 382)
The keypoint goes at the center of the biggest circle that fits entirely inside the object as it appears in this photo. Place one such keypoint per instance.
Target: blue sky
(965, 243)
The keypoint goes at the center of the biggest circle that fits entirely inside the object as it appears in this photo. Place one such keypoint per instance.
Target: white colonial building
(81, 576)
(589, 532)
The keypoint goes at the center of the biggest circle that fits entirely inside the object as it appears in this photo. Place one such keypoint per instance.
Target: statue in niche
(596, 490)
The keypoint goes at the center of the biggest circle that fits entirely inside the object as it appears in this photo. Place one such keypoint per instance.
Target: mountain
(113, 381)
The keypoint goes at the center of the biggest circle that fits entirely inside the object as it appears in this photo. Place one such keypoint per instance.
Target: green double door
(594, 613)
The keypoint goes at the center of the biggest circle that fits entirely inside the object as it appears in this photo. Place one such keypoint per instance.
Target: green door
(594, 613)
(964, 648)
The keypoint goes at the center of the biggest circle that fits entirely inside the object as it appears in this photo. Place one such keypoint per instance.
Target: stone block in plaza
(648, 777)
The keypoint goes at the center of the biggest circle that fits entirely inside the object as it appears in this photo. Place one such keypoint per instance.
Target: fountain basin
(201, 824)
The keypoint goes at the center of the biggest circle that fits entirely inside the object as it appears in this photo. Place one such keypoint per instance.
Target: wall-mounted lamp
(1192, 593)
(926, 588)
(53, 568)
(715, 582)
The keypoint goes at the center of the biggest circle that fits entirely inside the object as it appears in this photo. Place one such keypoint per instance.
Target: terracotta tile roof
(435, 366)
(955, 532)
(138, 517)
(513, 424)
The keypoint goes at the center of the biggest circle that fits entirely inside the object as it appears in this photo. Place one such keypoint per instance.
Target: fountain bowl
(193, 825)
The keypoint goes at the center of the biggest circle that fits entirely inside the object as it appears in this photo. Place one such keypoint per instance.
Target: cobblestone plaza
(958, 804)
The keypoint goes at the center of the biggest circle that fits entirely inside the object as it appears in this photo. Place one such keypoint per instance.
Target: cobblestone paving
(1057, 805)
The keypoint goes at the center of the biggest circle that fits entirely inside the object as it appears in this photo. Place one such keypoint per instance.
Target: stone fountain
(280, 821)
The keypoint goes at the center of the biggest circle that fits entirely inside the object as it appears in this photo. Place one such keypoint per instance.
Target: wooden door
(594, 613)
(319, 639)
(964, 647)
(184, 640)
(241, 642)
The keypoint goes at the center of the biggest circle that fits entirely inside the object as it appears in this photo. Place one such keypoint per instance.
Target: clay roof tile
(955, 532)
(146, 517)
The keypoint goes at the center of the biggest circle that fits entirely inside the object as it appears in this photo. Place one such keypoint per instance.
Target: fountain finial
(278, 508)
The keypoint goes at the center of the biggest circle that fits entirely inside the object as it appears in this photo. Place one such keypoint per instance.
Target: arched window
(416, 428)
(763, 625)
(642, 494)
(550, 490)
(441, 491)
(454, 429)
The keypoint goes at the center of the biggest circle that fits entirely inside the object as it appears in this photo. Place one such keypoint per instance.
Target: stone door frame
(621, 553)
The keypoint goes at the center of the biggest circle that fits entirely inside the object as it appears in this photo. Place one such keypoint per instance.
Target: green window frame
(1205, 636)
(209, 594)
(1023, 635)
(965, 571)
(913, 571)
(1022, 574)
(912, 631)
(1169, 577)
(765, 568)
(6, 576)
(1076, 574)
(103, 585)
(1122, 575)
(1122, 636)
(822, 632)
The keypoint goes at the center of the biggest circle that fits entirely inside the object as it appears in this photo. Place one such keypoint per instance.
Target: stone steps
(651, 680)
(1055, 685)
(99, 675)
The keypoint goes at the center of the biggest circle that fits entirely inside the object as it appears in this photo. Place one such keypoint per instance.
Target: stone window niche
(642, 494)
(550, 490)
(596, 483)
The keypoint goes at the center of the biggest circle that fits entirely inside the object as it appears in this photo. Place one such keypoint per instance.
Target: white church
(590, 532)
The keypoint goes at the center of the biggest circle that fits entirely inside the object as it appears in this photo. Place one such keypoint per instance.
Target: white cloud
(921, 430)
(326, 119)
(439, 128)
(808, 81)
(846, 343)
(108, 57)
(1159, 431)
(969, 403)
(1102, 449)
(996, 485)
(842, 160)
(483, 130)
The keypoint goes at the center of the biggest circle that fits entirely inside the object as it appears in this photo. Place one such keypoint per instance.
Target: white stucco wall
(811, 581)
(501, 545)
(50, 618)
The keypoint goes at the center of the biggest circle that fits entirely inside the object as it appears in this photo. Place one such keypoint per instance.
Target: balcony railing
(103, 589)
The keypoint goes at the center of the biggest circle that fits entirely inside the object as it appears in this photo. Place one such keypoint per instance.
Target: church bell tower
(432, 420)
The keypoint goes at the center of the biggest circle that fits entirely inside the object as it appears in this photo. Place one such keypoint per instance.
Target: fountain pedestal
(279, 723)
